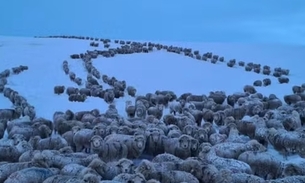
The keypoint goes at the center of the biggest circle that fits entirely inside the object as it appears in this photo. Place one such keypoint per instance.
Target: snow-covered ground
(148, 72)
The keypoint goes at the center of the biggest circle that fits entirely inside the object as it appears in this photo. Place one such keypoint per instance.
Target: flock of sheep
(163, 137)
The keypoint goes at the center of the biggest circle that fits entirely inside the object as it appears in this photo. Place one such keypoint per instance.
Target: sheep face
(140, 141)
(126, 165)
(184, 142)
(96, 141)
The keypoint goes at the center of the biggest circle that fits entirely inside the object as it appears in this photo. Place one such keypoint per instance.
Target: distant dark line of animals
(217, 138)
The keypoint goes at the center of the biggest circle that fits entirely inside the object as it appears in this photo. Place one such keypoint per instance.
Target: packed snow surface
(147, 72)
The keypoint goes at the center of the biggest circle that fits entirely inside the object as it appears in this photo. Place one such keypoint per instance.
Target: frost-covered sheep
(78, 81)
(135, 144)
(72, 75)
(53, 142)
(166, 157)
(8, 168)
(131, 91)
(130, 109)
(266, 82)
(257, 83)
(197, 98)
(29, 111)
(233, 150)
(56, 159)
(249, 89)
(10, 114)
(154, 141)
(126, 177)
(297, 89)
(31, 130)
(108, 151)
(85, 91)
(59, 89)
(175, 107)
(208, 115)
(72, 90)
(140, 109)
(179, 147)
(156, 111)
(33, 174)
(263, 164)
(209, 154)
(77, 98)
(292, 99)
(283, 80)
(11, 153)
(82, 138)
(5, 73)
(109, 96)
(218, 97)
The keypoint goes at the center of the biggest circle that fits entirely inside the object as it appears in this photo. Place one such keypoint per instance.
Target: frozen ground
(159, 70)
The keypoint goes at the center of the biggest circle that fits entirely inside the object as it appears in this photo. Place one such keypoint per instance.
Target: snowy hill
(148, 72)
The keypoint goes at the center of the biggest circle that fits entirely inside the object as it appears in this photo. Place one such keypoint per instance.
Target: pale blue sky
(166, 20)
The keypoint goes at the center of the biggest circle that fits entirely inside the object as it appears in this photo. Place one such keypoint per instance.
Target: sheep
(257, 83)
(208, 115)
(8, 168)
(61, 178)
(292, 99)
(57, 160)
(75, 169)
(218, 97)
(77, 98)
(294, 179)
(209, 154)
(78, 81)
(154, 142)
(81, 138)
(11, 153)
(108, 151)
(294, 168)
(135, 144)
(249, 89)
(53, 142)
(140, 110)
(72, 75)
(196, 98)
(131, 91)
(130, 109)
(126, 177)
(262, 164)
(266, 82)
(283, 80)
(59, 89)
(109, 96)
(33, 174)
(179, 147)
(233, 150)
(10, 114)
(216, 138)
(66, 125)
(297, 89)
(30, 130)
(72, 90)
(156, 111)
(4, 74)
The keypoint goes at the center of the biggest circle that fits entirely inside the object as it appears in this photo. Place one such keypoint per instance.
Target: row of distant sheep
(128, 45)
(21, 105)
(186, 144)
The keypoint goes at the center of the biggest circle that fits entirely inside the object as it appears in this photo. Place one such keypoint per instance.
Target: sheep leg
(78, 148)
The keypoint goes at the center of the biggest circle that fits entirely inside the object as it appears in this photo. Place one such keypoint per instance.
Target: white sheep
(108, 151)
(263, 164)
(179, 147)
(34, 174)
(209, 154)
(54, 142)
(135, 144)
